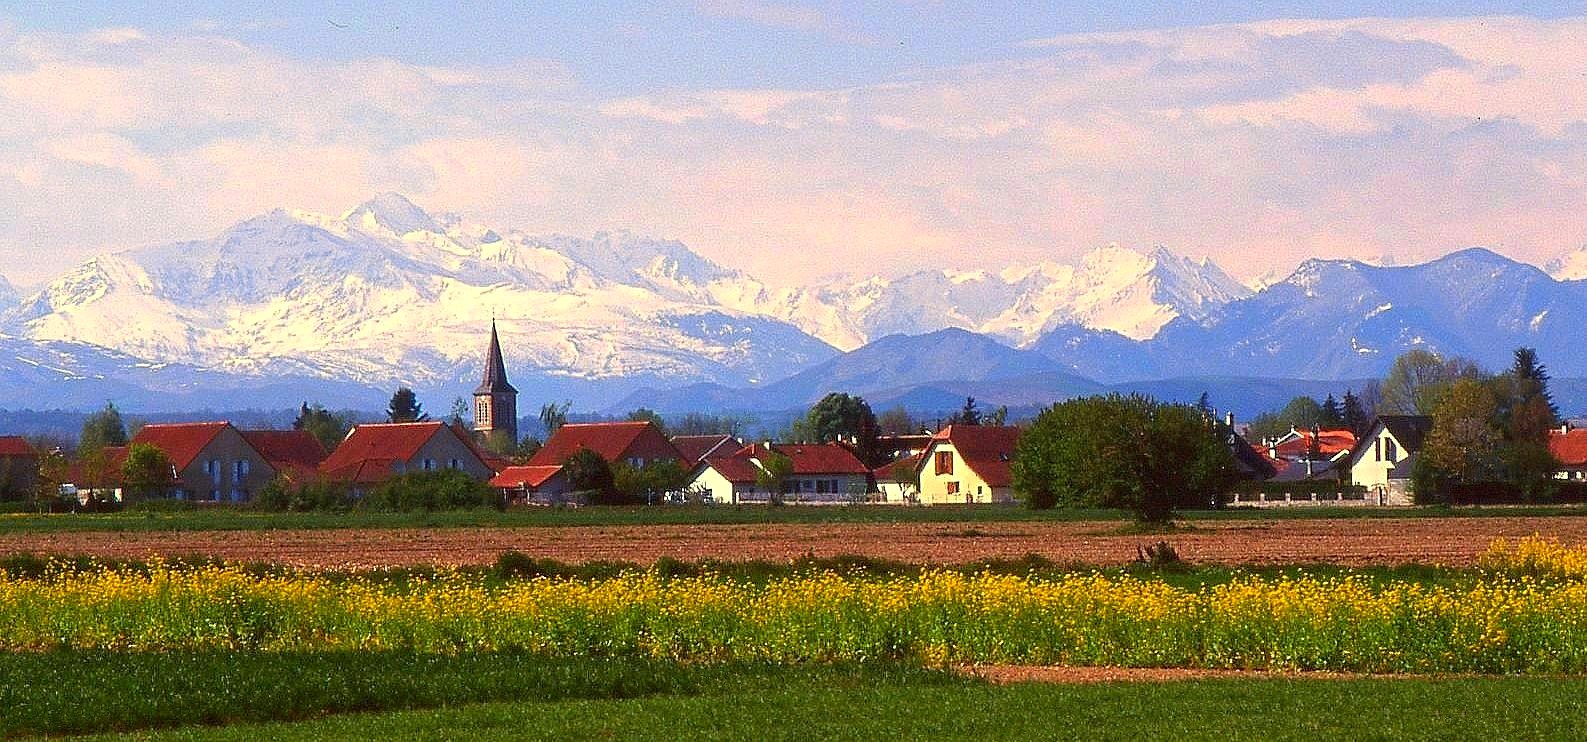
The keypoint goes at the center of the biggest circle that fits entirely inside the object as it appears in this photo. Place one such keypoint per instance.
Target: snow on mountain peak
(392, 212)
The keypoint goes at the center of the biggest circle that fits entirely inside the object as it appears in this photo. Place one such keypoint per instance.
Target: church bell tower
(495, 400)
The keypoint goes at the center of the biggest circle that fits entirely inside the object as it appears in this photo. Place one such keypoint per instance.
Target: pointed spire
(495, 381)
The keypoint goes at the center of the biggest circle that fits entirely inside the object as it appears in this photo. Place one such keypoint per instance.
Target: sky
(797, 140)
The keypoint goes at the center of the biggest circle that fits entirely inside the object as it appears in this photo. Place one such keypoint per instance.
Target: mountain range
(292, 304)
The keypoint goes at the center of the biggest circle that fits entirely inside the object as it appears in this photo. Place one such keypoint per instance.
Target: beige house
(210, 461)
(967, 464)
(1384, 457)
(374, 453)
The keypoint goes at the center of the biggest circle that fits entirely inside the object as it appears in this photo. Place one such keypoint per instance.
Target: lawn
(224, 518)
(896, 703)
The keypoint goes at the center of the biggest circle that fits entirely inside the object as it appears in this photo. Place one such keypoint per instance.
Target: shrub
(447, 489)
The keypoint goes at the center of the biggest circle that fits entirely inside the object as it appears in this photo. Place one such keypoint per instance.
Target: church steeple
(495, 400)
(495, 381)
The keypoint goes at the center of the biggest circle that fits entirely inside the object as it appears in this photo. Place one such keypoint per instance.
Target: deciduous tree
(1124, 452)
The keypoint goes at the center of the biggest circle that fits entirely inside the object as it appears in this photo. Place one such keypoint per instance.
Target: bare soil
(1348, 542)
(1003, 674)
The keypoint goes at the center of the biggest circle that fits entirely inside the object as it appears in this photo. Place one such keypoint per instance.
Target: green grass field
(234, 519)
(886, 702)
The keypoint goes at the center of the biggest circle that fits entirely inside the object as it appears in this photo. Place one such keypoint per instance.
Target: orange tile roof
(1329, 444)
(524, 476)
(15, 445)
(287, 449)
(368, 453)
(811, 458)
(694, 448)
(181, 442)
(613, 441)
(1569, 448)
(735, 469)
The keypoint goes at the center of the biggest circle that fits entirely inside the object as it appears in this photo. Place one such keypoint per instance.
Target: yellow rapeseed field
(1526, 612)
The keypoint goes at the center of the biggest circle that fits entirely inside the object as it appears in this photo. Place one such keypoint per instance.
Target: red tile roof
(181, 442)
(524, 476)
(736, 470)
(365, 471)
(368, 453)
(15, 445)
(986, 449)
(287, 449)
(811, 458)
(613, 441)
(693, 448)
(1569, 448)
(1329, 443)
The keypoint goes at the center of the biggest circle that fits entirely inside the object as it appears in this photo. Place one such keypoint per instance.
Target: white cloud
(1257, 144)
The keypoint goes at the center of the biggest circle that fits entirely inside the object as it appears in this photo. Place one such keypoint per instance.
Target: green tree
(1419, 378)
(897, 421)
(405, 407)
(1122, 452)
(553, 416)
(649, 482)
(1301, 413)
(1464, 442)
(695, 423)
(647, 415)
(775, 468)
(52, 474)
(841, 417)
(589, 472)
(146, 473)
(969, 414)
(327, 427)
(1332, 414)
(1352, 416)
(103, 429)
(998, 417)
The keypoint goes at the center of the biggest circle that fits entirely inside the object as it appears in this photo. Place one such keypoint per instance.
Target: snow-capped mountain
(1571, 266)
(1111, 288)
(1335, 319)
(389, 293)
(8, 295)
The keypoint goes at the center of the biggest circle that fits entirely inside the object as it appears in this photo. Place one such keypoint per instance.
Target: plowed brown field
(1351, 542)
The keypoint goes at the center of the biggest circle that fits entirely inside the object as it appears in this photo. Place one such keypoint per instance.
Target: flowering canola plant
(1495, 623)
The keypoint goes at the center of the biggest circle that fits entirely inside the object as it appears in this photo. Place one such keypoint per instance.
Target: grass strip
(76, 692)
(784, 705)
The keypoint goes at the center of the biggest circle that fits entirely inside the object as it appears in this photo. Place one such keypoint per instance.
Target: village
(966, 462)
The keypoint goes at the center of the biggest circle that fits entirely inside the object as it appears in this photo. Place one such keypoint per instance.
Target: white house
(822, 472)
(968, 464)
(1384, 457)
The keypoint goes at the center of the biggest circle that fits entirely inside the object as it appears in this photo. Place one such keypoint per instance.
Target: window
(429, 464)
(454, 464)
(944, 462)
(953, 488)
(239, 472)
(212, 468)
(1377, 449)
(1390, 451)
(481, 411)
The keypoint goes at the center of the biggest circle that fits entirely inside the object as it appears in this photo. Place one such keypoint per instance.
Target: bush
(283, 496)
(447, 489)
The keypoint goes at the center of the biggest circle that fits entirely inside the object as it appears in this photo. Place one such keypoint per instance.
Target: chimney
(1564, 428)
